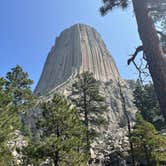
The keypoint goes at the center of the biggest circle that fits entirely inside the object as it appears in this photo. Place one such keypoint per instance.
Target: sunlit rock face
(78, 48)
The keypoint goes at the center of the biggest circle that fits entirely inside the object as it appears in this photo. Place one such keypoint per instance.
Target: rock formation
(77, 49)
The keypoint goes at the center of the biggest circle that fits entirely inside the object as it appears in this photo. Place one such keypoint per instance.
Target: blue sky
(29, 27)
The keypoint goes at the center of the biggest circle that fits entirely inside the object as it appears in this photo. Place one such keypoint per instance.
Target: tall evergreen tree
(91, 105)
(15, 97)
(61, 135)
(151, 46)
(17, 89)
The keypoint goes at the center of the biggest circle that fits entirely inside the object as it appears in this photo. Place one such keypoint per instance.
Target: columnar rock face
(79, 48)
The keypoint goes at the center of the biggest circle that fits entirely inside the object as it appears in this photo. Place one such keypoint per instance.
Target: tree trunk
(86, 124)
(153, 51)
(56, 153)
(146, 154)
(56, 159)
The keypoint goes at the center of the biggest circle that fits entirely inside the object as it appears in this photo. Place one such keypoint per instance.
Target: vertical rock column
(77, 49)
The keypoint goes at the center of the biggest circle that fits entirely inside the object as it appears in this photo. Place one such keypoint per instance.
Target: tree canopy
(146, 101)
(149, 146)
(15, 98)
(61, 138)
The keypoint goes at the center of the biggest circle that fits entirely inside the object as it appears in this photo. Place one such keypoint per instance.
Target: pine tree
(91, 105)
(146, 101)
(19, 86)
(61, 135)
(149, 145)
(18, 97)
(15, 98)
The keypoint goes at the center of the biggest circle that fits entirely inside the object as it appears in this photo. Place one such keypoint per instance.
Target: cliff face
(79, 48)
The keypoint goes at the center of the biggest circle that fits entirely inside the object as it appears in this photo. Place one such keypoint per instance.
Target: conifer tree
(19, 86)
(61, 135)
(18, 97)
(146, 101)
(15, 98)
(91, 105)
(149, 146)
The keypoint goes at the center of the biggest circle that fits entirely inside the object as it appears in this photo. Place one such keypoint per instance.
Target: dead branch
(138, 49)
(142, 67)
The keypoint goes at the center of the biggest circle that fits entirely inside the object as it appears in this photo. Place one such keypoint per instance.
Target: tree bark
(153, 51)
(56, 154)
(86, 123)
(56, 159)
(146, 154)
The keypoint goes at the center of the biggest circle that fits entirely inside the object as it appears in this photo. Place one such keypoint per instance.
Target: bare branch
(141, 68)
(138, 49)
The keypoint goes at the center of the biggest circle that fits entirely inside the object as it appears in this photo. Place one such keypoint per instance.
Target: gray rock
(80, 48)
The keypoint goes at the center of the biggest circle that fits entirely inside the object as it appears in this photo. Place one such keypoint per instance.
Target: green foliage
(146, 101)
(6, 159)
(6, 123)
(90, 103)
(110, 4)
(4, 96)
(149, 146)
(156, 7)
(15, 96)
(61, 135)
(18, 85)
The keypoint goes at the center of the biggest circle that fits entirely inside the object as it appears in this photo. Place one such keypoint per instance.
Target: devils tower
(77, 49)
(80, 48)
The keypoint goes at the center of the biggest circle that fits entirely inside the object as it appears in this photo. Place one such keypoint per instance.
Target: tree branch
(141, 70)
(138, 49)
